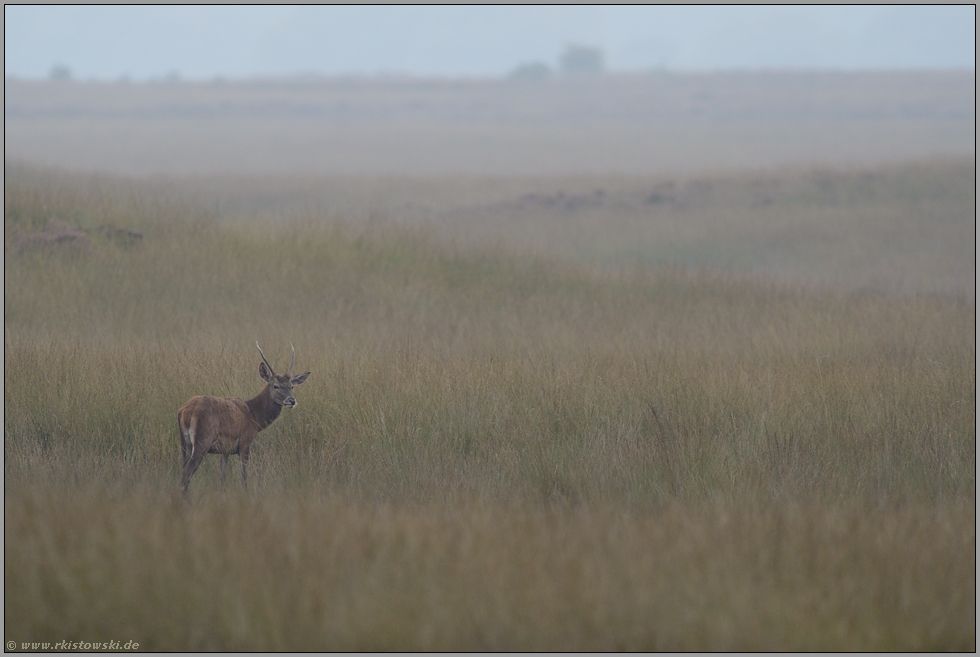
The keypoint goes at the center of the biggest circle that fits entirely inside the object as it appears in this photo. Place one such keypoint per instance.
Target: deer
(226, 426)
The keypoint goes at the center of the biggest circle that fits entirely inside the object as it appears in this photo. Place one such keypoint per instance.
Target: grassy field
(907, 228)
(553, 448)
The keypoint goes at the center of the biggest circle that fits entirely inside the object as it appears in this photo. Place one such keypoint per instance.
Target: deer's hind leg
(186, 448)
(196, 439)
(190, 468)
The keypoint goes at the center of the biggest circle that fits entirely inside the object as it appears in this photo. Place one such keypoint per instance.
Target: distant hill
(610, 122)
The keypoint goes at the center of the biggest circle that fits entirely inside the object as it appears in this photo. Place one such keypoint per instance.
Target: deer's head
(281, 387)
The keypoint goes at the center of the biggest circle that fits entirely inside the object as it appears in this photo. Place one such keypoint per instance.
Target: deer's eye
(275, 385)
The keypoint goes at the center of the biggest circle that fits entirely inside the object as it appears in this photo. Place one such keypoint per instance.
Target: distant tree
(530, 71)
(576, 60)
(60, 72)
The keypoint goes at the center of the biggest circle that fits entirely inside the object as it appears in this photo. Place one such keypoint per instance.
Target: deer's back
(222, 421)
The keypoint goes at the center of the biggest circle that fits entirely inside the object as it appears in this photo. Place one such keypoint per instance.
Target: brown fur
(226, 426)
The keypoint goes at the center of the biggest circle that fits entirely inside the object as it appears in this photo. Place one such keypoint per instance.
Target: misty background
(822, 144)
(207, 42)
(485, 90)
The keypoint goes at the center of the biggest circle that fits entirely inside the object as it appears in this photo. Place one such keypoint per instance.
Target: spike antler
(266, 359)
(292, 362)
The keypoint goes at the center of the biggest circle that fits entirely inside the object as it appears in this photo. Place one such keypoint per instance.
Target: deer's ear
(265, 373)
(299, 378)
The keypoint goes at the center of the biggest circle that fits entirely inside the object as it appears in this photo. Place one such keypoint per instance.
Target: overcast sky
(205, 42)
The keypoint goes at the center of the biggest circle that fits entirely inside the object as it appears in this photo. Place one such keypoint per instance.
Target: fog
(208, 42)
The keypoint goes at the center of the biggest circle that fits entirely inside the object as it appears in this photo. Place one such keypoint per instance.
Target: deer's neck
(264, 410)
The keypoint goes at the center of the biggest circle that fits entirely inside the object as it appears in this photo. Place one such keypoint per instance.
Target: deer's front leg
(224, 470)
(243, 459)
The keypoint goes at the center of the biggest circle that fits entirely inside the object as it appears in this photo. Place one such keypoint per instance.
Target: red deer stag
(225, 426)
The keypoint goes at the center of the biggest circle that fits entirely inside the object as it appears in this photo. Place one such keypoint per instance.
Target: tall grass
(328, 573)
(493, 450)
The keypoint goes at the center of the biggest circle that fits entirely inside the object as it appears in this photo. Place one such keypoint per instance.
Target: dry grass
(494, 451)
(328, 573)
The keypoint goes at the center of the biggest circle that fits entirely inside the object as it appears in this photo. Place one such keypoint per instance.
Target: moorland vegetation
(502, 449)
